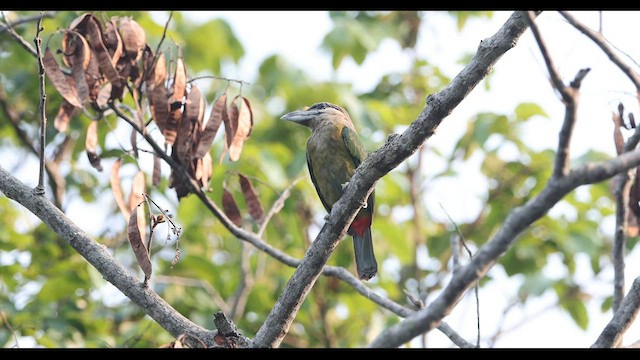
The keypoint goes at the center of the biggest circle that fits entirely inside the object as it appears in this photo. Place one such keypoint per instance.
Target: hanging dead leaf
(91, 145)
(79, 23)
(231, 122)
(137, 244)
(156, 171)
(634, 194)
(103, 96)
(94, 35)
(207, 171)
(618, 139)
(113, 41)
(218, 113)
(116, 189)
(190, 124)
(251, 198)
(179, 79)
(66, 111)
(133, 37)
(159, 71)
(177, 93)
(75, 48)
(248, 104)
(230, 207)
(138, 188)
(243, 128)
(81, 55)
(64, 84)
(160, 110)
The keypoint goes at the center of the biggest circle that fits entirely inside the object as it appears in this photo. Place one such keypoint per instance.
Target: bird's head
(317, 114)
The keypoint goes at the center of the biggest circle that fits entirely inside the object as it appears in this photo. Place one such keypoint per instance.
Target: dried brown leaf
(133, 37)
(75, 47)
(179, 80)
(218, 113)
(251, 198)
(65, 85)
(113, 41)
(116, 189)
(82, 54)
(160, 108)
(137, 244)
(160, 71)
(94, 35)
(618, 139)
(207, 171)
(230, 207)
(91, 145)
(231, 122)
(103, 96)
(188, 132)
(137, 190)
(66, 111)
(248, 104)
(243, 129)
(156, 171)
(79, 23)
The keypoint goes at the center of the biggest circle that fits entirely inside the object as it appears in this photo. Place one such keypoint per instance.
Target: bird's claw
(344, 185)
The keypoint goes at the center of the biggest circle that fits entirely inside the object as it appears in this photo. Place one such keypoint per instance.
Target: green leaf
(607, 304)
(578, 312)
(524, 111)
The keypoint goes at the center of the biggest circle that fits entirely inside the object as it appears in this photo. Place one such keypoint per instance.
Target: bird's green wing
(354, 145)
(315, 184)
(358, 154)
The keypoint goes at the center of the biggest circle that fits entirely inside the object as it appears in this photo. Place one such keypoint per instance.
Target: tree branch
(516, 222)
(24, 43)
(397, 149)
(43, 105)
(25, 19)
(622, 319)
(600, 41)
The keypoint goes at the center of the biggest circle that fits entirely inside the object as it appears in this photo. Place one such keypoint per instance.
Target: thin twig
(569, 98)
(11, 331)
(241, 82)
(276, 207)
(601, 42)
(23, 20)
(476, 290)
(24, 43)
(553, 73)
(43, 102)
(185, 281)
(164, 34)
(241, 294)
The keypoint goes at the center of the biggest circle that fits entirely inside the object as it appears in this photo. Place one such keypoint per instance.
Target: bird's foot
(343, 186)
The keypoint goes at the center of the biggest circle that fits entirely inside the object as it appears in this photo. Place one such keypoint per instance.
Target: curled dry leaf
(137, 190)
(64, 84)
(116, 189)
(94, 35)
(178, 91)
(137, 244)
(156, 171)
(218, 113)
(230, 207)
(133, 37)
(113, 41)
(207, 171)
(66, 111)
(231, 122)
(251, 198)
(618, 140)
(243, 128)
(103, 96)
(91, 145)
(189, 129)
(75, 47)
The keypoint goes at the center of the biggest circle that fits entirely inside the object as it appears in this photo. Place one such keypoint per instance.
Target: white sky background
(520, 76)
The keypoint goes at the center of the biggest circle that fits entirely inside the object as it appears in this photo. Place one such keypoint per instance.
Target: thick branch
(377, 164)
(622, 319)
(517, 221)
(98, 256)
(599, 40)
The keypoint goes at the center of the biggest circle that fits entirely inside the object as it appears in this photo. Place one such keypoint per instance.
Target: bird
(334, 151)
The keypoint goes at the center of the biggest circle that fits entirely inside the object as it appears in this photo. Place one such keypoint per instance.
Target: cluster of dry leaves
(104, 61)
(633, 216)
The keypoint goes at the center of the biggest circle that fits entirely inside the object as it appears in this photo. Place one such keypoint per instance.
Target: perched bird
(334, 151)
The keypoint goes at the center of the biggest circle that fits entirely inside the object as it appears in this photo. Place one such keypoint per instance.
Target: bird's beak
(301, 116)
